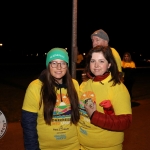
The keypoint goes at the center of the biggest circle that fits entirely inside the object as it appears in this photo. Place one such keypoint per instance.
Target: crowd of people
(59, 113)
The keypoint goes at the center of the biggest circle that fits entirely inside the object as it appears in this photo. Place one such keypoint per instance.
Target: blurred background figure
(128, 68)
(80, 60)
(101, 38)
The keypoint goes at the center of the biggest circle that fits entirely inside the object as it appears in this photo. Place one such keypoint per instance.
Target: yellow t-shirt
(60, 134)
(117, 58)
(92, 137)
(79, 58)
(128, 64)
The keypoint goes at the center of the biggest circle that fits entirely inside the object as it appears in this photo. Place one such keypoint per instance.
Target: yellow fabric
(92, 137)
(60, 134)
(79, 58)
(117, 58)
(128, 64)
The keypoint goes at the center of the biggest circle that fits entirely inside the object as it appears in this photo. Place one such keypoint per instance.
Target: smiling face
(97, 41)
(98, 64)
(58, 69)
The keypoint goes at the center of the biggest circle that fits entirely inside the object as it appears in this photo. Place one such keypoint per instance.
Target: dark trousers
(129, 86)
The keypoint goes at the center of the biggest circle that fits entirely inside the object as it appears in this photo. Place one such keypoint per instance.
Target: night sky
(38, 27)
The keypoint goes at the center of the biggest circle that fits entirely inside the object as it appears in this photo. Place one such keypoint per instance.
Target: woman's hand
(90, 109)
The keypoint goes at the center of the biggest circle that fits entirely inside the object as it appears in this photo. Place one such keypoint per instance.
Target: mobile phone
(89, 102)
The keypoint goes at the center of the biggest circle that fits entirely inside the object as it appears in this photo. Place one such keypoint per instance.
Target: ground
(13, 84)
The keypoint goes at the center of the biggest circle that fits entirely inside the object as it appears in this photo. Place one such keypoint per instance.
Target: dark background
(28, 28)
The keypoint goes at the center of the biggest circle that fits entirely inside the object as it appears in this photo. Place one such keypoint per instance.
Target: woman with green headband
(50, 108)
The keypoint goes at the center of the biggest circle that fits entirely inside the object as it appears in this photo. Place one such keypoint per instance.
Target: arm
(30, 110)
(109, 122)
(29, 123)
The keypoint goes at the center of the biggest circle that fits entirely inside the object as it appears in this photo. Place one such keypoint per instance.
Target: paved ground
(13, 139)
(137, 137)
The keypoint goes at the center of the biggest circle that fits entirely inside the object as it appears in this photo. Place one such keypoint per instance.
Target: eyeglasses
(55, 64)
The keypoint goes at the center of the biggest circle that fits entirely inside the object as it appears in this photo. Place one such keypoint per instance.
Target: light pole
(74, 47)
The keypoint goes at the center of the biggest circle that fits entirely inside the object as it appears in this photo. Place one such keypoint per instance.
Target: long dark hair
(48, 96)
(129, 55)
(107, 52)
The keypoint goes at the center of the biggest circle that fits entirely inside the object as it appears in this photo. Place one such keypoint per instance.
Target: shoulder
(133, 63)
(121, 87)
(122, 91)
(85, 84)
(35, 84)
(114, 51)
(32, 96)
(75, 82)
(116, 55)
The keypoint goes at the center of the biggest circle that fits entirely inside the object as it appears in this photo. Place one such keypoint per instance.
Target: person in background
(80, 60)
(50, 109)
(128, 68)
(105, 106)
(100, 37)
